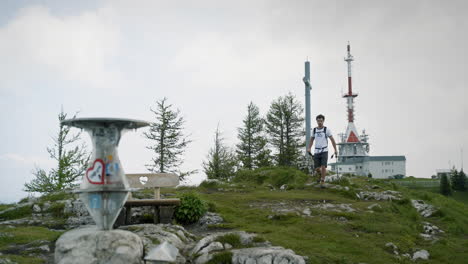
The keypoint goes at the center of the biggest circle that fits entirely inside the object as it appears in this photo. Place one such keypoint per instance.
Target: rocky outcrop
(251, 252)
(431, 232)
(387, 195)
(266, 255)
(78, 214)
(89, 245)
(418, 253)
(151, 234)
(424, 209)
(421, 254)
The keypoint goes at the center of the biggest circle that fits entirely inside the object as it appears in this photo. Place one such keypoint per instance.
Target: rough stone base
(89, 245)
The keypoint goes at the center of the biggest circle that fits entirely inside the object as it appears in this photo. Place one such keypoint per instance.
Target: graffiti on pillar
(112, 169)
(95, 174)
(95, 201)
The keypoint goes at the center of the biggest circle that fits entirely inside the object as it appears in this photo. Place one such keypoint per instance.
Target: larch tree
(284, 125)
(72, 161)
(221, 161)
(168, 140)
(252, 149)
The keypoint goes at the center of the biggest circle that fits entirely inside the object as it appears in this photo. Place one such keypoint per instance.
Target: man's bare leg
(324, 173)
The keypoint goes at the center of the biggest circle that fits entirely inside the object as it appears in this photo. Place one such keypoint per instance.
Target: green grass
(23, 259)
(17, 213)
(221, 258)
(52, 197)
(5, 206)
(25, 234)
(361, 238)
(232, 239)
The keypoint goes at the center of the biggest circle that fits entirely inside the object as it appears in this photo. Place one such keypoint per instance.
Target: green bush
(211, 207)
(17, 213)
(191, 208)
(209, 184)
(56, 209)
(57, 196)
(231, 239)
(276, 176)
(221, 258)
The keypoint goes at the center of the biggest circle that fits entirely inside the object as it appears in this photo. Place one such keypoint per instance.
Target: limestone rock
(421, 254)
(210, 218)
(276, 255)
(36, 208)
(387, 195)
(213, 246)
(245, 239)
(89, 245)
(150, 233)
(372, 206)
(425, 210)
(335, 207)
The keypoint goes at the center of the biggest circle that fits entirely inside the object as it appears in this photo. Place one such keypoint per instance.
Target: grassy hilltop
(328, 236)
(355, 231)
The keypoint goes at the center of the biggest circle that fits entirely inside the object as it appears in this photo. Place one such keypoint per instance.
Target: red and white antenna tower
(350, 96)
(351, 133)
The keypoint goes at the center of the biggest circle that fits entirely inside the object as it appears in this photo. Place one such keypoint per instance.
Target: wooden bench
(163, 208)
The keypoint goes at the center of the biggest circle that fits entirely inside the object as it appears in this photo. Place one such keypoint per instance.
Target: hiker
(320, 135)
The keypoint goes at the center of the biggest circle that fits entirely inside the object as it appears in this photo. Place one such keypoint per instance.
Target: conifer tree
(284, 125)
(445, 187)
(458, 180)
(72, 161)
(221, 161)
(252, 149)
(168, 140)
(462, 181)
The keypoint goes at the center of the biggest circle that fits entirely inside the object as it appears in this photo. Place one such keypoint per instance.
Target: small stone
(370, 207)
(36, 208)
(421, 254)
(390, 244)
(307, 211)
(45, 248)
(227, 246)
(214, 246)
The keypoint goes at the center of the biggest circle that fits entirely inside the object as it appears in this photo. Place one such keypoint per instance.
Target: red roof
(352, 137)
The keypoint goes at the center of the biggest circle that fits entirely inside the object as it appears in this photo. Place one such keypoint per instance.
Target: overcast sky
(211, 58)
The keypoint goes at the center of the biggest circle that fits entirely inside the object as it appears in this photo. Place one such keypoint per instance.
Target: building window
(340, 168)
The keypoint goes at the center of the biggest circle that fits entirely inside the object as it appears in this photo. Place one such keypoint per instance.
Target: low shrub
(191, 208)
(221, 258)
(58, 196)
(211, 207)
(231, 239)
(276, 176)
(56, 209)
(209, 184)
(17, 213)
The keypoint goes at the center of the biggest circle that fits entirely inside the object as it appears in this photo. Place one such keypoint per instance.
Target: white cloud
(18, 160)
(75, 48)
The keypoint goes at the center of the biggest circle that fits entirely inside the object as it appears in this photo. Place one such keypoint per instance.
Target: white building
(441, 172)
(380, 167)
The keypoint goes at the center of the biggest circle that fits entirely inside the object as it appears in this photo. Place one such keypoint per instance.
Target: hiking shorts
(320, 159)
